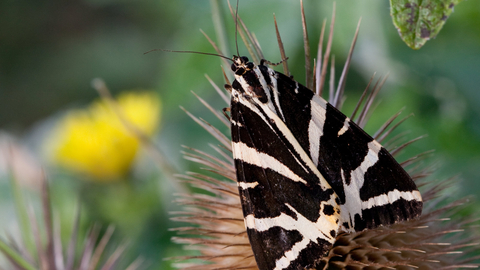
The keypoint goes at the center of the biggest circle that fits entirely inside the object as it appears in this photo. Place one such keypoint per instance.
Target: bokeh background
(51, 50)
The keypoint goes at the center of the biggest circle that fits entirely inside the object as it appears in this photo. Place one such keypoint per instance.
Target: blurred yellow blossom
(94, 140)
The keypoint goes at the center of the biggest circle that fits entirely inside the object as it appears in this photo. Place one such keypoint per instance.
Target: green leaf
(420, 20)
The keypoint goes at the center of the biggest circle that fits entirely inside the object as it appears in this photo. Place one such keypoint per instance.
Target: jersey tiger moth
(305, 171)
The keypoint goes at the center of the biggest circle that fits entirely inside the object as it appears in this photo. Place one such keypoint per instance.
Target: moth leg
(228, 87)
(265, 61)
(225, 110)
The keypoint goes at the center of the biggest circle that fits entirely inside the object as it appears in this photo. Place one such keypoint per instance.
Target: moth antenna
(236, 29)
(194, 52)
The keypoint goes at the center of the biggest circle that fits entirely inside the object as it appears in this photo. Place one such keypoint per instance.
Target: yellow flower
(96, 142)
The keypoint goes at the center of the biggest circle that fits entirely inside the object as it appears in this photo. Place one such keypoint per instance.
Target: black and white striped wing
(306, 171)
(291, 212)
(372, 187)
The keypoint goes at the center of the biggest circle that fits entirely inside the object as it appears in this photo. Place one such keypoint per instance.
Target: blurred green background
(51, 50)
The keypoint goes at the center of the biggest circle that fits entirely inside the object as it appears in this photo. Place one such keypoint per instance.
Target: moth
(305, 171)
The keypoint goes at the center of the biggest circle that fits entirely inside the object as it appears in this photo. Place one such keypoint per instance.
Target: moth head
(241, 65)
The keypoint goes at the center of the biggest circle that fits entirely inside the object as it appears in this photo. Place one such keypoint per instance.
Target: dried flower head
(432, 241)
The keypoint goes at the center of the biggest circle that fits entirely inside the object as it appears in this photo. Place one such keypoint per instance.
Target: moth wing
(372, 187)
(290, 211)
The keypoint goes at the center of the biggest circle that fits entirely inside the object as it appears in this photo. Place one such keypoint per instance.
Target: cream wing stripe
(297, 147)
(252, 156)
(244, 185)
(354, 204)
(391, 197)
(315, 127)
(309, 230)
(257, 107)
(345, 127)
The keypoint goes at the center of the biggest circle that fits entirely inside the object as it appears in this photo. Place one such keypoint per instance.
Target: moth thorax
(241, 65)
